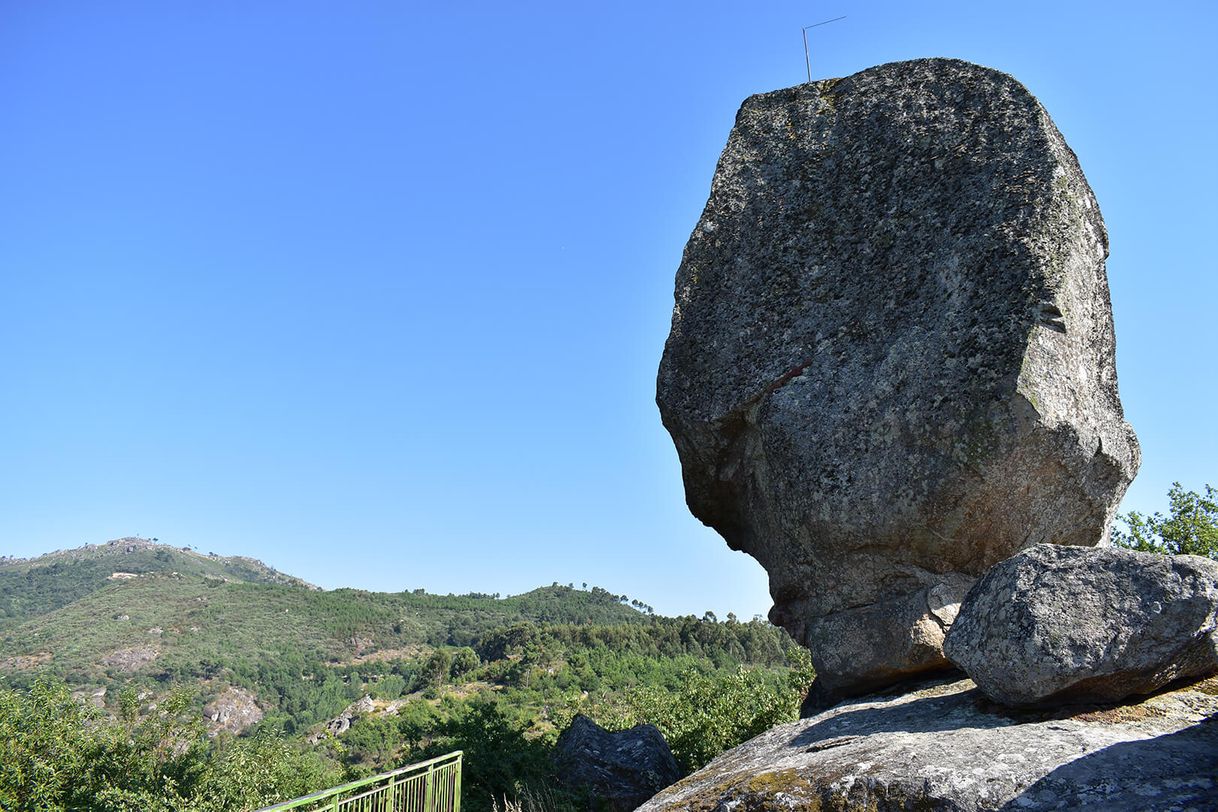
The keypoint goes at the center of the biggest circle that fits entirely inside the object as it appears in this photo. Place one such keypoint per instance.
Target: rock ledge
(946, 747)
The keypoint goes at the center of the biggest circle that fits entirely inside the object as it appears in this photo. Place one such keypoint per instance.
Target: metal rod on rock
(807, 55)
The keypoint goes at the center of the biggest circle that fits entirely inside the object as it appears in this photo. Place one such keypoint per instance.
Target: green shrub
(1191, 529)
(57, 753)
(709, 713)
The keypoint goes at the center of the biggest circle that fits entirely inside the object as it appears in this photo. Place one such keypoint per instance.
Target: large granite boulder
(619, 769)
(945, 747)
(1069, 624)
(891, 362)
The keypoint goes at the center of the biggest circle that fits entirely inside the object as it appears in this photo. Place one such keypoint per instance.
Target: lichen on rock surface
(891, 362)
(1065, 624)
(946, 747)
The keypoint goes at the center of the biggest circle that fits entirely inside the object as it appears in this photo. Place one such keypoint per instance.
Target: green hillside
(133, 627)
(166, 624)
(34, 586)
(101, 613)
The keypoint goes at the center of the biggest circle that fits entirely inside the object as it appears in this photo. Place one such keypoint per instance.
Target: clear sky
(376, 291)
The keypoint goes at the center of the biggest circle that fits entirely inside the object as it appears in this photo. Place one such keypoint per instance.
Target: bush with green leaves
(389, 687)
(500, 761)
(1191, 529)
(58, 753)
(709, 713)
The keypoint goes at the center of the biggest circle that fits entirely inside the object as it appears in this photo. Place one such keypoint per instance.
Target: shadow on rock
(1174, 771)
(924, 714)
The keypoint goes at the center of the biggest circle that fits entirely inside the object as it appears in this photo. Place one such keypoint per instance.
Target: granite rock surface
(891, 362)
(947, 748)
(233, 711)
(1071, 624)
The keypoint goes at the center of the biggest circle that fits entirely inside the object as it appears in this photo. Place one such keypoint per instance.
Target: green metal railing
(429, 786)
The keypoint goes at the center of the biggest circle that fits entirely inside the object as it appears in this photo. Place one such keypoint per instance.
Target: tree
(59, 753)
(438, 666)
(464, 660)
(708, 713)
(1191, 529)
(391, 686)
(500, 761)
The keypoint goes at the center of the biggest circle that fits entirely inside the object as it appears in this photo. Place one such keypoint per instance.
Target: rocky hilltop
(132, 556)
(891, 363)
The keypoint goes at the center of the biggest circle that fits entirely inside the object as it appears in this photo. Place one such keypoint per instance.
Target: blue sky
(376, 291)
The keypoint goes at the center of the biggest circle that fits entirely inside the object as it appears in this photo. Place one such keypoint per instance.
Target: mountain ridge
(132, 607)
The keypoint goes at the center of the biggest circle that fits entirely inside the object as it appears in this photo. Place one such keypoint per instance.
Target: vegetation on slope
(496, 677)
(30, 587)
(57, 753)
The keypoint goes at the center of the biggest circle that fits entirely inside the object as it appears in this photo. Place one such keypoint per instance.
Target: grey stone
(891, 362)
(1069, 624)
(946, 747)
(342, 723)
(130, 659)
(620, 769)
(233, 711)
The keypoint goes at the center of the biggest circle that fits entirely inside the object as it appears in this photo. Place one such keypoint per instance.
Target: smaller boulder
(621, 769)
(1058, 624)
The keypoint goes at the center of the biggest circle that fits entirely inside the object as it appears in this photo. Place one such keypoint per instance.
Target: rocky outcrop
(26, 662)
(1069, 624)
(234, 710)
(342, 723)
(945, 747)
(130, 659)
(891, 362)
(620, 769)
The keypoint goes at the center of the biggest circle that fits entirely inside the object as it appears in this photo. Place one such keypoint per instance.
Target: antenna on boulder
(808, 56)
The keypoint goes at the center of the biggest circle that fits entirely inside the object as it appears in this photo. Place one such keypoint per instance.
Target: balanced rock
(620, 769)
(945, 747)
(1071, 624)
(891, 362)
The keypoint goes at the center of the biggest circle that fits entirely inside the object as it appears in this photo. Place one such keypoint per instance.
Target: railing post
(429, 791)
(457, 786)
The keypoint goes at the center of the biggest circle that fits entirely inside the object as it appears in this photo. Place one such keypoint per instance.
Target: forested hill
(30, 587)
(33, 586)
(131, 625)
(134, 606)
(102, 615)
